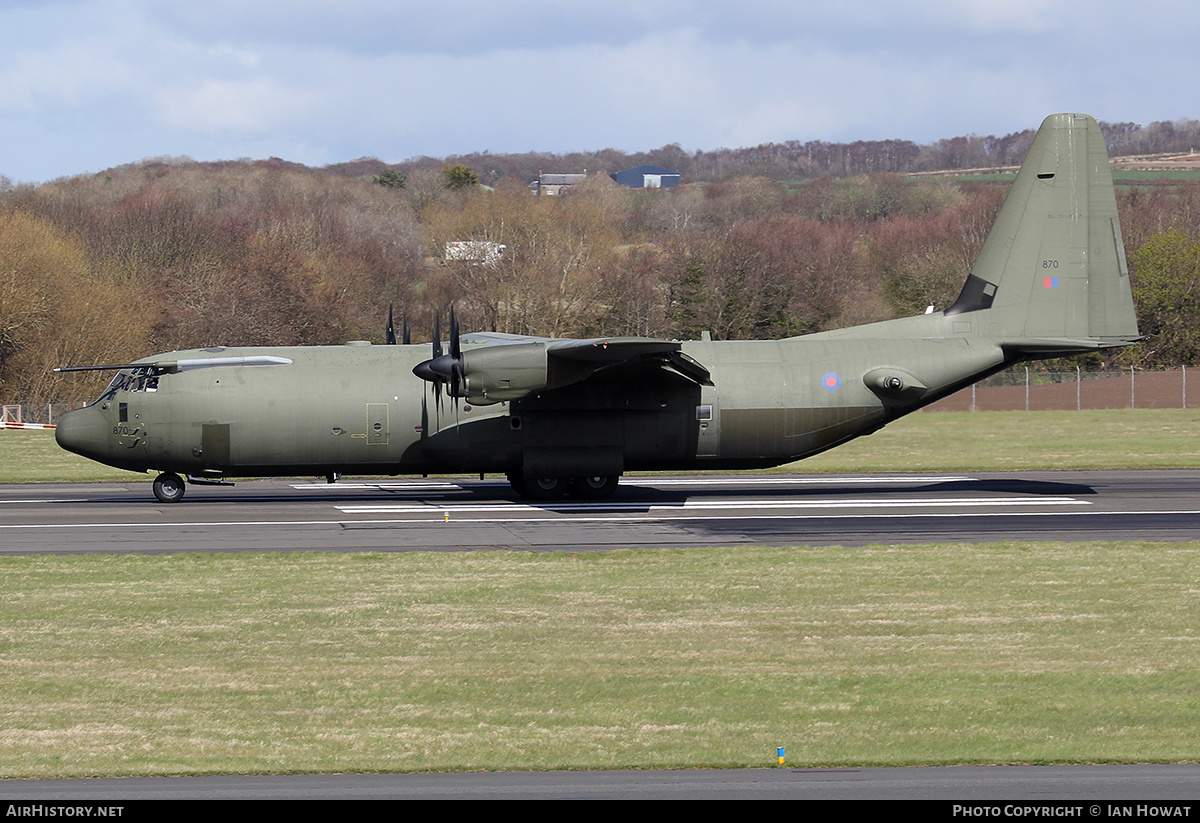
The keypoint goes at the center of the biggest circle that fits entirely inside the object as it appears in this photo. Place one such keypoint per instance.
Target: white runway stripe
(709, 505)
(714, 480)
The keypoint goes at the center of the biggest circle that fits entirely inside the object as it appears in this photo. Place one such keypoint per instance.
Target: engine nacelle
(497, 373)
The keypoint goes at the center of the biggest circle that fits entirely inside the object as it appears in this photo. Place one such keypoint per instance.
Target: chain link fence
(44, 412)
(1028, 390)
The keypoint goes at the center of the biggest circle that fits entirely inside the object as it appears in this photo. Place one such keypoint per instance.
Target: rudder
(1052, 274)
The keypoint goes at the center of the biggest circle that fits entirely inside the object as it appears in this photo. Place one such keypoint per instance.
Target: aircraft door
(708, 421)
(214, 445)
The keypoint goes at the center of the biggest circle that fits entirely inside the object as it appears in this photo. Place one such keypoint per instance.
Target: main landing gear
(550, 488)
(169, 488)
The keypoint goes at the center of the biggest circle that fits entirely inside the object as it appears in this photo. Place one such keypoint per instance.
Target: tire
(169, 488)
(518, 484)
(545, 488)
(595, 488)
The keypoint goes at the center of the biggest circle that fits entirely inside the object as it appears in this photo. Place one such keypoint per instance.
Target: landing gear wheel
(595, 488)
(545, 488)
(518, 484)
(169, 488)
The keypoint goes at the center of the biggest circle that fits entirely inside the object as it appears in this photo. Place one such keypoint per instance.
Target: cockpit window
(133, 380)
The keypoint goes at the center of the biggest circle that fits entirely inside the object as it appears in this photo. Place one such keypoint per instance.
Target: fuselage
(359, 409)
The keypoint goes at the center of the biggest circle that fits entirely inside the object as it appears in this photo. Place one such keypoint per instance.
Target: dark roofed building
(552, 184)
(647, 177)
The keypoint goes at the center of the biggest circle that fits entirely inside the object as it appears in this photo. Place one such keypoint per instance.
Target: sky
(86, 85)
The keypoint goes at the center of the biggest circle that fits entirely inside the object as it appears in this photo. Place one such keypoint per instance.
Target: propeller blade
(405, 337)
(389, 336)
(455, 344)
(456, 361)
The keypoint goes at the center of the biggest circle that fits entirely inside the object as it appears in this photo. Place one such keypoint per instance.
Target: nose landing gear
(169, 488)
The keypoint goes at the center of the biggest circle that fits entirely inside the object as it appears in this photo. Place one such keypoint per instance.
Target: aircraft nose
(82, 431)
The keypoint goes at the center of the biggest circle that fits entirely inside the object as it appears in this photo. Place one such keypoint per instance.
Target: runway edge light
(779, 752)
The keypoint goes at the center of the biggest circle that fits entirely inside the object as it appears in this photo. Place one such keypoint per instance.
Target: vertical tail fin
(1051, 276)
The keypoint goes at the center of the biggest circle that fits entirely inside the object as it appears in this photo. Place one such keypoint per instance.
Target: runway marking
(33, 502)
(702, 505)
(799, 481)
(722, 480)
(595, 519)
(397, 486)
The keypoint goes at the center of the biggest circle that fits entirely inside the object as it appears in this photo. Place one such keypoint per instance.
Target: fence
(41, 412)
(1027, 390)
(1008, 391)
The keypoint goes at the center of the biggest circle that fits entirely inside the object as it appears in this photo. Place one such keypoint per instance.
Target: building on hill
(555, 184)
(647, 177)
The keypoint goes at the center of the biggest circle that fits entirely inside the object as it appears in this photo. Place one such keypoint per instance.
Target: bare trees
(56, 305)
(924, 259)
(550, 254)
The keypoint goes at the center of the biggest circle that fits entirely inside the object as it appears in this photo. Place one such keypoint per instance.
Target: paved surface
(1095, 787)
(431, 515)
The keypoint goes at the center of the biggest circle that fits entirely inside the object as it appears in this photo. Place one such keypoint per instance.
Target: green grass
(1002, 653)
(1128, 176)
(928, 441)
(1022, 441)
(982, 177)
(32, 456)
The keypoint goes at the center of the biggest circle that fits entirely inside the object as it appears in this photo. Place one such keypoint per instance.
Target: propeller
(444, 369)
(390, 334)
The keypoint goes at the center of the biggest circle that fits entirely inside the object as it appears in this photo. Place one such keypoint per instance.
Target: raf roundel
(832, 381)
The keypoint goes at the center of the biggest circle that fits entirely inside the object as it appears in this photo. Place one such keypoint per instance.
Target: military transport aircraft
(570, 416)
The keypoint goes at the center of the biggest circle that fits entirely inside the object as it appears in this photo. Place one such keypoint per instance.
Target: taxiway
(646, 512)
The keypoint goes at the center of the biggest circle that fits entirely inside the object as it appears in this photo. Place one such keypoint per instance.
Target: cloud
(85, 84)
(244, 107)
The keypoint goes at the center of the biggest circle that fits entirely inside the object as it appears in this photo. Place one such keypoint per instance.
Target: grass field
(1019, 440)
(1134, 176)
(1002, 653)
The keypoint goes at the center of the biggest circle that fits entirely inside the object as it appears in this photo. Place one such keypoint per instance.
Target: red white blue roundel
(832, 381)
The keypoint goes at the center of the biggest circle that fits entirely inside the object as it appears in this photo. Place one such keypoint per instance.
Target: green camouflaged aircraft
(570, 416)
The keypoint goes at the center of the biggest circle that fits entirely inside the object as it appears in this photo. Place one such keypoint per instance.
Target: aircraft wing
(610, 351)
(495, 367)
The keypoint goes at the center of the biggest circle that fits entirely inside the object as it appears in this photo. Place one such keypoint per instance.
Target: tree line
(795, 159)
(161, 256)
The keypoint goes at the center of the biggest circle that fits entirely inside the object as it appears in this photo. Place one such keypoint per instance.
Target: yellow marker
(447, 520)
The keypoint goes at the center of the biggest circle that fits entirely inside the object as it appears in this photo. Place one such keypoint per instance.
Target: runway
(646, 512)
(1088, 789)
